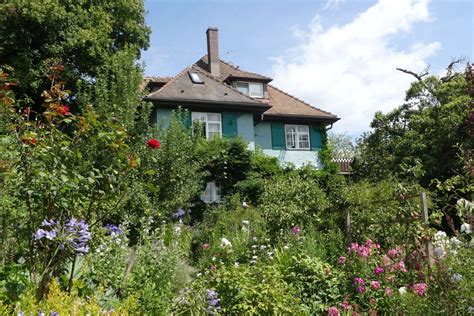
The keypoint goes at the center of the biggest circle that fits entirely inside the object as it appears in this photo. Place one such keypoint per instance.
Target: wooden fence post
(348, 226)
(424, 214)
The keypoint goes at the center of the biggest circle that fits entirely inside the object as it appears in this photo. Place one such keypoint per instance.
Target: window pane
(302, 128)
(213, 127)
(256, 89)
(242, 87)
(304, 145)
(303, 137)
(198, 116)
(213, 117)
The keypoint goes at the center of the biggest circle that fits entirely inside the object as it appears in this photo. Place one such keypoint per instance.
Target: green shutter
(278, 135)
(315, 137)
(229, 124)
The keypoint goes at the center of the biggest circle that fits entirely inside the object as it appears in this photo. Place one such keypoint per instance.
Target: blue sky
(339, 55)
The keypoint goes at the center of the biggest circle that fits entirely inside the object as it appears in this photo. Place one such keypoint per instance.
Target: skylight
(195, 77)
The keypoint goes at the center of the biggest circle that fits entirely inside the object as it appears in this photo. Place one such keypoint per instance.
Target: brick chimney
(213, 51)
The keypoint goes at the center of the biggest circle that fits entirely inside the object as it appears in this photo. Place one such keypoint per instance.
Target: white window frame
(296, 137)
(196, 116)
(212, 193)
(260, 96)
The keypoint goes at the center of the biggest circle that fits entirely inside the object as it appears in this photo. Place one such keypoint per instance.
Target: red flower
(63, 110)
(33, 141)
(153, 144)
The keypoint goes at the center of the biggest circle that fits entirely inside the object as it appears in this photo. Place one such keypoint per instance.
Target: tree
(423, 135)
(82, 36)
(341, 145)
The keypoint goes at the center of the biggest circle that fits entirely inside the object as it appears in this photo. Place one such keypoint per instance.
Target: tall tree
(423, 135)
(81, 35)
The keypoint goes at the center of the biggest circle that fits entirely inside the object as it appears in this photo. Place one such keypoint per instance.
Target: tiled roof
(284, 104)
(214, 89)
(228, 70)
(181, 88)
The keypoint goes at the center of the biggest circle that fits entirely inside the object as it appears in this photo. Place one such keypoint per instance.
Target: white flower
(466, 228)
(213, 258)
(244, 204)
(402, 290)
(286, 247)
(439, 252)
(455, 242)
(236, 263)
(254, 238)
(225, 242)
(177, 230)
(254, 257)
(440, 235)
(456, 277)
(263, 247)
(245, 222)
(199, 274)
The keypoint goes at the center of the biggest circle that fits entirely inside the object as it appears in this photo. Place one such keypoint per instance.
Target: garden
(101, 211)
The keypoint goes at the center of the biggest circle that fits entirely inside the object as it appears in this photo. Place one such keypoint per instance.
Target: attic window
(253, 89)
(195, 77)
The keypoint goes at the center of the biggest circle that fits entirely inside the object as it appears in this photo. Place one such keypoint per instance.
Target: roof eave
(297, 118)
(249, 106)
(250, 79)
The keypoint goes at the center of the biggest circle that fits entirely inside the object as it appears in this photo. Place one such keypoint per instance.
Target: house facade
(229, 102)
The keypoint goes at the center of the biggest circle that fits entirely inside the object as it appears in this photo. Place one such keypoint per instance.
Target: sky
(338, 55)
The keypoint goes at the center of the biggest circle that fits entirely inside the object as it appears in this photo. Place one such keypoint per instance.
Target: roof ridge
(236, 68)
(227, 86)
(297, 99)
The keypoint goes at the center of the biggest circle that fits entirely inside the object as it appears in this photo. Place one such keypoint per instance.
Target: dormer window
(195, 77)
(252, 89)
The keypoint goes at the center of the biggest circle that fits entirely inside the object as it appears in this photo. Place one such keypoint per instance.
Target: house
(229, 102)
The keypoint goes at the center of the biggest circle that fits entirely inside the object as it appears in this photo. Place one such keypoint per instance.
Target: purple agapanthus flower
(178, 214)
(213, 301)
(113, 230)
(74, 234)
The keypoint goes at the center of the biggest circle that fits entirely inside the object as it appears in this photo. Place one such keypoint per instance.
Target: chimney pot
(213, 51)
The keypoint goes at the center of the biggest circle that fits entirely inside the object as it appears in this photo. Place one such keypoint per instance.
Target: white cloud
(330, 4)
(349, 70)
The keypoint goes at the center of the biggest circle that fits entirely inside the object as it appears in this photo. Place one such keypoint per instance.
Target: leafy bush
(244, 289)
(292, 200)
(316, 282)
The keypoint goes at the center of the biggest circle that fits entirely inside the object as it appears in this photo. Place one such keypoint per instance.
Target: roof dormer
(253, 89)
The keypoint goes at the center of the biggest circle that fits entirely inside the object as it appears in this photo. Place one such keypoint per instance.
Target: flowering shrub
(377, 276)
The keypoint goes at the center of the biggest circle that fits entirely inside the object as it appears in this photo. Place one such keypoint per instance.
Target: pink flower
(375, 285)
(345, 305)
(359, 281)
(333, 311)
(361, 289)
(420, 288)
(378, 270)
(296, 230)
(205, 246)
(342, 260)
(392, 253)
(386, 261)
(400, 266)
(388, 291)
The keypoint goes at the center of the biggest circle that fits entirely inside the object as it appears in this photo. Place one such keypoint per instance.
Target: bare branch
(419, 76)
(450, 71)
